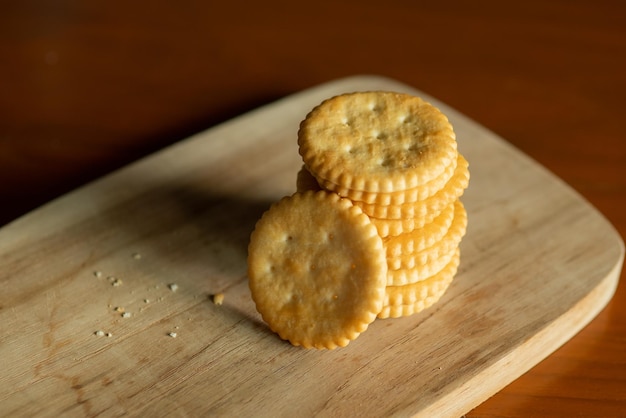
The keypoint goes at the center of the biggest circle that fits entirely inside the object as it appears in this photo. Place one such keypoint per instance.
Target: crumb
(115, 281)
(119, 309)
(172, 334)
(218, 298)
(146, 301)
(137, 256)
(126, 315)
(98, 274)
(173, 287)
(99, 333)
(108, 334)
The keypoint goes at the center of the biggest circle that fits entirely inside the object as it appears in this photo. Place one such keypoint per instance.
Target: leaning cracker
(419, 239)
(317, 270)
(440, 249)
(418, 273)
(419, 291)
(434, 204)
(377, 142)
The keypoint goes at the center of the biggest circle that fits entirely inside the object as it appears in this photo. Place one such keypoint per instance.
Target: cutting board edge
(540, 346)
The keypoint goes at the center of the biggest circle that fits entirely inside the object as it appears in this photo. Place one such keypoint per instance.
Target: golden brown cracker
(418, 272)
(451, 191)
(377, 142)
(431, 293)
(419, 291)
(393, 198)
(317, 269)
(419, 239)
(437, 251)
(394, 227)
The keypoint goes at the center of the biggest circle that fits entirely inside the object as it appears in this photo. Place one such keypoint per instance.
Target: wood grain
(182, 217)
(89, 87)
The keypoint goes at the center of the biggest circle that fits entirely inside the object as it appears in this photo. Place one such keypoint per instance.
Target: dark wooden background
(89, 86)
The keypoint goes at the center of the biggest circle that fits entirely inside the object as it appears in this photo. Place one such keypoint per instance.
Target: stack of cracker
(395, 156)
(374, 227)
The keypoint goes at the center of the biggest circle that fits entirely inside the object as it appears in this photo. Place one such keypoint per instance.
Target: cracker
(433, 290)
(431, 255)
(317, 270)
(377, 142)
(419, 272)
(419, 291)
(422, 238)
(394, 227)
(394, 198)
(448, 193)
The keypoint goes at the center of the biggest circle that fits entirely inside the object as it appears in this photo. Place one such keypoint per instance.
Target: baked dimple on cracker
(317, 269)
(377, 141)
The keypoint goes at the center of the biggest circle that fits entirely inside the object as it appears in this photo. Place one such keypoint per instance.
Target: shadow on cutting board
(190, 236)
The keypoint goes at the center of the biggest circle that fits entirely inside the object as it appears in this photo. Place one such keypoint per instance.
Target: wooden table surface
(87, 87)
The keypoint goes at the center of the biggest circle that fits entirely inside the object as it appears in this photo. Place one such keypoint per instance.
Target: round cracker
(394, 227)
(419, 239)
(418, 273)
(430, 293)
(377, 142)
(393, 198)
(317, 269)
(402, 204)
(437, 251)
(451, 191)
(410, 293)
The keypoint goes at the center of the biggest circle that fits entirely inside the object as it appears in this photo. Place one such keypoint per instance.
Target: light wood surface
(157, 239)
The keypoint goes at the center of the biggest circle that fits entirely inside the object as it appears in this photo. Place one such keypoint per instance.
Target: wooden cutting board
(157, 239)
